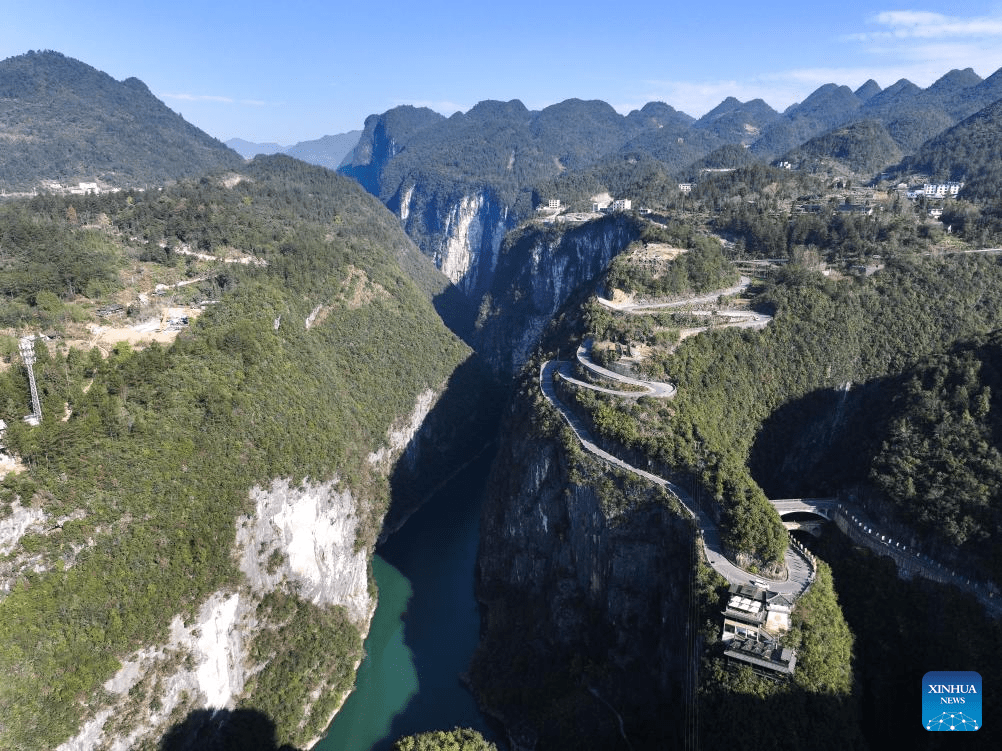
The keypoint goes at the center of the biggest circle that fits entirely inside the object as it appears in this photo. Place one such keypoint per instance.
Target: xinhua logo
(951, 701)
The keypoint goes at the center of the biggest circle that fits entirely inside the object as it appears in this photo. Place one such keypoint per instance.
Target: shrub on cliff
(458, 739)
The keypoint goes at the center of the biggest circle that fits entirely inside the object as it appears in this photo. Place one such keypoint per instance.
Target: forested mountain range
(324, 330)
(181, 465)
(911, 113)
(459, 184)
(506, 145)
(62, 120)
(970, 151)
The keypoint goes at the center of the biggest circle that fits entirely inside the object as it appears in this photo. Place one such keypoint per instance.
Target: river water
(425, 627)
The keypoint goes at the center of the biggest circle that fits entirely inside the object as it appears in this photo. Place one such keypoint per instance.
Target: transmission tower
(27, 347)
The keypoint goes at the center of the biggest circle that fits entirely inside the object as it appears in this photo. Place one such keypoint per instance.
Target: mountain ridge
(458, 184)
(327, 151)
(71, 122)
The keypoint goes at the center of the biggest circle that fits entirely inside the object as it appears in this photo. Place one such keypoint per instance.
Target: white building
(755, 613)
(941, 190)
(83, 189)
(621, 204)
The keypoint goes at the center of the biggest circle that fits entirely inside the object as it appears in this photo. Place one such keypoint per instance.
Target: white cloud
(905, 24)
(922, 45)
(918, 45)
(900, 30)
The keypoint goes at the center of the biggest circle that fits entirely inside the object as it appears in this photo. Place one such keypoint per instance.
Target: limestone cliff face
(460, 228)
(459, 222)
(584, 576)
(538, 270)
(301, 539)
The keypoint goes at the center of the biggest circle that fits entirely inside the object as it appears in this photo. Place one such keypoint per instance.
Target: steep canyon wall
(585, 576)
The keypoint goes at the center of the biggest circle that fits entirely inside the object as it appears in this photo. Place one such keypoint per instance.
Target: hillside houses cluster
(932, 190)
(553, 207)
(80, 189)
(52, 187)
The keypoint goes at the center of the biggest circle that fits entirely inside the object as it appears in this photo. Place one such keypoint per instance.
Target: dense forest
(72, 123)
(864, 148)
(147, 456)
(880, 386)
(939, 463)
(826, 332)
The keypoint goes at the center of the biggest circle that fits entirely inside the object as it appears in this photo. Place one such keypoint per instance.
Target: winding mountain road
(799, 569)
(656, 389)
(799, 566)
(708, 299)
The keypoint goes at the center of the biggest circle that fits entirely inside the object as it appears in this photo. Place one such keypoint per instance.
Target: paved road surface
(651, 388)
(799, 569)
(708, 299)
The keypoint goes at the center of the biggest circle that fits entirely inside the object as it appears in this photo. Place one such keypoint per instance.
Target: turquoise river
(425, 627)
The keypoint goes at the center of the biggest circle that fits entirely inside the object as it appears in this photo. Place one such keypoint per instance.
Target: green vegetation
(702, 268)
(969, 151)
(817, 709)
(940, 465)
(46, 262)
(72, 123)
(826, 332)
(152, 467)
(903, 629)
(653, 328)
(822, 639)
(862, 148)
(303, 647)
(458, 739)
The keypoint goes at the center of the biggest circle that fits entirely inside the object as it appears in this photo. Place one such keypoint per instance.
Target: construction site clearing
(163, 329)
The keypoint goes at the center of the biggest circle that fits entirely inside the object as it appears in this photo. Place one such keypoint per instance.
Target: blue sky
(301, 69)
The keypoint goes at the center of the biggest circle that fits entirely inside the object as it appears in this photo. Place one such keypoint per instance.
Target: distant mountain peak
(902, 85)
(729, 104)
(492, 108)
(868, 90)
(250, 149)
(79, 123)
(958, 79)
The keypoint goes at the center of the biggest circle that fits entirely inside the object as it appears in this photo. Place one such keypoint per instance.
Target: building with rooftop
(756, 613)
(941, 190)
(753, 620)
(767, 659)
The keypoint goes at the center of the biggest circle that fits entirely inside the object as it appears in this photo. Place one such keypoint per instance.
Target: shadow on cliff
(822, 442)
(458, 428)
(223, 730)
(436, 552)
(457, 312)
(903, 629)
